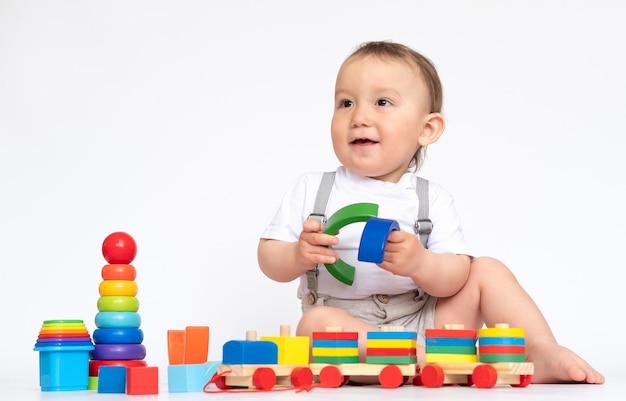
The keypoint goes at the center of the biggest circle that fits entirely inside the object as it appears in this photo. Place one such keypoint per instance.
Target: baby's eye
(345, 103)
(383, 102)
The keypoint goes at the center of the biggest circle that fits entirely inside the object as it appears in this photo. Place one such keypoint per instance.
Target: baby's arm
(439, 274)
(285, 261)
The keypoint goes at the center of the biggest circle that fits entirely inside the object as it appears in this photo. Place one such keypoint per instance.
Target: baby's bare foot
(557, 364)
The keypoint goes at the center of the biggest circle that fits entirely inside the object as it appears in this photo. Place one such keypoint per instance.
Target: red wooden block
(142, 380)
(447, 333)
(391, 352)
(335, 335)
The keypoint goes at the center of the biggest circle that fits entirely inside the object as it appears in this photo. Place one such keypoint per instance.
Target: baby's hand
(313, 245)
(403, 253)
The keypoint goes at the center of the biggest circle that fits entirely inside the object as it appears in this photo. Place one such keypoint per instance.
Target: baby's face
(380, 110)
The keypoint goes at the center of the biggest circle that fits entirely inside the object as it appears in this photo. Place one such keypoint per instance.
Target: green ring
(354, 213)
(111, 303)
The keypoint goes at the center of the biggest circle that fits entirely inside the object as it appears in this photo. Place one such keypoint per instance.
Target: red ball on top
(119, 247)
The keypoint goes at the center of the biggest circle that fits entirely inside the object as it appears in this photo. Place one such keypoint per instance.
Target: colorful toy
(358, 212)
(118, 338)
(255, 364)
(63, 347)
(374, 238)
(119, 248)
(452, 357)
(188, 369)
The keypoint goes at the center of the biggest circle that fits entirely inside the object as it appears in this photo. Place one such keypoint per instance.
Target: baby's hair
(386, 50)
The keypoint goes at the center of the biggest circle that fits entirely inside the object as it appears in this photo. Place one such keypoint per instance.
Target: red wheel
(484, 376)
(432, 376)
(264, 378)
(391, 377)
(302, 377)
(524, 380)
(331, 377)
(220, 382)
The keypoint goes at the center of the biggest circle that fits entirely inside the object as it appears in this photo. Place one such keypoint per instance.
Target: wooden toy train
(452, 357)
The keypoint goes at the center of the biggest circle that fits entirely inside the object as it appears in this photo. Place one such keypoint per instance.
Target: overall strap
(423, 225)
(319, 213)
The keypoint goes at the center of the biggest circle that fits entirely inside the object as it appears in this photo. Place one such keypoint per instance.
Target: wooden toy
(390, 356)
(292, 350)
(254, 364)
(449, 359)
(119, 247)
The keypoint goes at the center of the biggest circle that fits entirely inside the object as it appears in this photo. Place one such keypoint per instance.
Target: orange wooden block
(196, 344)
(176, 346)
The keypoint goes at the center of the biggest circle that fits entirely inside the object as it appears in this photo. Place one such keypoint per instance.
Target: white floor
(28, 391)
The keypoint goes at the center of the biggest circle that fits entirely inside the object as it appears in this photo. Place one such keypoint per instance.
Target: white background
(183, 122)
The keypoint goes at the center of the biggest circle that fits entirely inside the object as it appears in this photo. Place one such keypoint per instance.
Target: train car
(265, 363)
(453, 358)
(390, 356)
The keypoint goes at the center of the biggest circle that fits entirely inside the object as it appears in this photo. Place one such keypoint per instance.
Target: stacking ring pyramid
(118, 338)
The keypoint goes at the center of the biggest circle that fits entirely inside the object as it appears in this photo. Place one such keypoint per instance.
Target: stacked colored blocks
(450, 345)
(63, 347)
(391, 347)
(118, 338)
(501, 344)
(188, 350)
(335, 347)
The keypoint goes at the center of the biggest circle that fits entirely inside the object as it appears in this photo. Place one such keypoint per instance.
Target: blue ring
(118, 320)
(118, 336)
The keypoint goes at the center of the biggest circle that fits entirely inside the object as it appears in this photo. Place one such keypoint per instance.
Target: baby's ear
(432, 129)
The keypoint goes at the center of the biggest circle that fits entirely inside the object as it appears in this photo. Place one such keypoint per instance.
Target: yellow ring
(118, 287)
(118, 304)
(501, 332)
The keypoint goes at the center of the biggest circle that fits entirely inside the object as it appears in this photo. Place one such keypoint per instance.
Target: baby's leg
(493, 295)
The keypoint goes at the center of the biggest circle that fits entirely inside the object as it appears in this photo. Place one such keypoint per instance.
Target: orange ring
(119, 272)
(118, 287)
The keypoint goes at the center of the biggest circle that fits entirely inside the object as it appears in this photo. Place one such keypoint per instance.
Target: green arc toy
(355, 213)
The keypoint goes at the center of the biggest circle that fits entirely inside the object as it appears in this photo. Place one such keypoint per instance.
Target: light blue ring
(118, 320)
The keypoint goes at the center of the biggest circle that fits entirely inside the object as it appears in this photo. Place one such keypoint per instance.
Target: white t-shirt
(396, 201)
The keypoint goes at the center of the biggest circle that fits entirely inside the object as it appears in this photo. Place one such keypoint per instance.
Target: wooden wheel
(432, 376)
(220, 382)
(524, 380)
(264, 378)
(302, 377)
(331, 377)
(484, 376)
(391, 377)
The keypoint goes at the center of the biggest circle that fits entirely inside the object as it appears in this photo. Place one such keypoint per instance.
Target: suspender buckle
(319, 217)
(423, 226)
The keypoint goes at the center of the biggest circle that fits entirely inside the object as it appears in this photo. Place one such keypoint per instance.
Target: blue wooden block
(501, 341)
(112, 379)
(374, 239)
(190, 378)
(392, 335)
(238, 352)
(335, 343)
(450, 342)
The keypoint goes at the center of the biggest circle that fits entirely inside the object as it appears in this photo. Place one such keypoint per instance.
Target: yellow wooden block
(292, 350)
(317, 351)
(501, 332)
(391, 344)
(450, 358)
